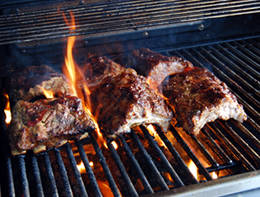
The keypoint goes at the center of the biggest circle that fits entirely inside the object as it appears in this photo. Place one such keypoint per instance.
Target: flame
(7, 110)
(81, 167)
(48, 93)
(105, 189)
(153, 132)
(193, 168)
(214, 175)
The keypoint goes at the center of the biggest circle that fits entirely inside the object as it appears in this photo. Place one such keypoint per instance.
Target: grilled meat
(47, 123)
(154, 66)
(199, 97)
(96, 68)
(124, 101)
(27, 84)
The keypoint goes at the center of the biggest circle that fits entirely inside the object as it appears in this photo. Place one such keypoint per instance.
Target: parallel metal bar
(50, 175)
(150, 163)
(249, 135)
(241, 71)
(63, 173)
(136, 165)
(75, 170)
(219, 151)
(24, 180)
(105, 167)
(191, 154)
(246, 51)
(122, 170)
(89, 170)
(205, 152)
(240, 141)
(177, 156)
(164, 160)
(37, 177)
(236, 153)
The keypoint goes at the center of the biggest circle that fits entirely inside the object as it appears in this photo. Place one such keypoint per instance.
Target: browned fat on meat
(28, 83)
(124, 101)
(154, 66)
(47, 123)
(96, 68)
(199, 97)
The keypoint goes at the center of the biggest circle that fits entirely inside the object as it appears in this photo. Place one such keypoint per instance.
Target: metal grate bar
(247, 52)
(76, 171)
(105, 167)
(50, 175)
(150, 163)
(63, 173)
(164, 160)
(191, 154)
(205, 152)
(241, 71)
(240, 141)
(252, 48)
(219, 151)
(249, 135)
(177, 156)
(122, 170)
(235, 75)
(89, 170)
(245, 57)
(24, 180)
(117, 16)
(236, 153)
(136, 165)
(37, 175)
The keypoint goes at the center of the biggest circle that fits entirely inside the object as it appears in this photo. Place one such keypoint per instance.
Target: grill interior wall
(141, 164)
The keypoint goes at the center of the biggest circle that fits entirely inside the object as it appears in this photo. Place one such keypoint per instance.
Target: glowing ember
(81, 168)
(7, 110)
(48, 93)
(193, 168)
(105, 189)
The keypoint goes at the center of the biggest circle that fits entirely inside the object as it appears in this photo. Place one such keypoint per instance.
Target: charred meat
(199, 97)
(124, 101)
(96, 68)
(154, 66)
(47, 123)
(29, 83)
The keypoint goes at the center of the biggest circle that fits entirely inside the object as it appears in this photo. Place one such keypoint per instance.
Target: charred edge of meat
(125, 101)
(27, 84)
(199, 97)
(47, 123)
(96, 68)
(154, 66)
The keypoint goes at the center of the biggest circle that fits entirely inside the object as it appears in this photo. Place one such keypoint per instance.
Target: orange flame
(74, 74)
(153, 132)
(214, 175)
(48, 93)
(193, 168)
(7, 110)
(81, 168)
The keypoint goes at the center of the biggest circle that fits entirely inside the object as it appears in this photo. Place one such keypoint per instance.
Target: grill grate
(141, 163)
(103, 19)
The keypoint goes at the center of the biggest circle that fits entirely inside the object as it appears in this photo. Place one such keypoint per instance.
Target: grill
(210, 34)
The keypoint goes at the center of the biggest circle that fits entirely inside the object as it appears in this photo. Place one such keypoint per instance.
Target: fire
(214, 175)
(48, 93)
(193, 168)
(105, 189)
(81, 168)
(153, 132)
(7, 110)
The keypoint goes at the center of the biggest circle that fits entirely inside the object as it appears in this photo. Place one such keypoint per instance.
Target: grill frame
(213, 45)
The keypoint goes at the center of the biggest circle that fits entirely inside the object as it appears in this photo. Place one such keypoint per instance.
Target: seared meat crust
(47, 123)
(199, 97)
(96, 68)
(124, 101)
(154, 66)
(29, 83)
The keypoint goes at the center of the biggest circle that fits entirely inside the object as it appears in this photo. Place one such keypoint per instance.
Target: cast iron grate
(143, 163)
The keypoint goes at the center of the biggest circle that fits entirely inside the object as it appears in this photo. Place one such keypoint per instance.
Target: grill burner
(142, 164)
